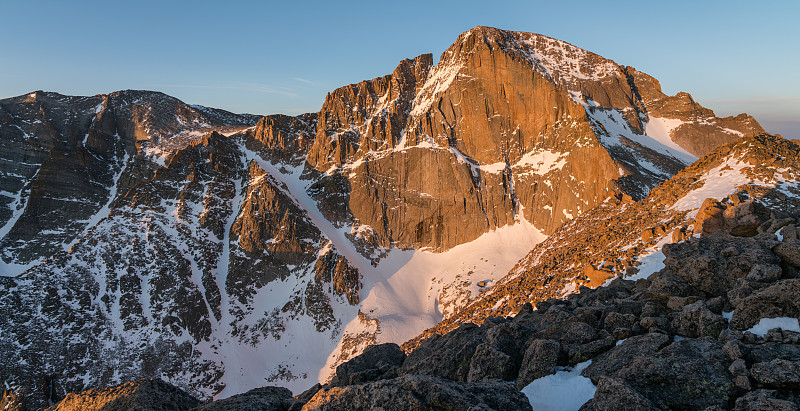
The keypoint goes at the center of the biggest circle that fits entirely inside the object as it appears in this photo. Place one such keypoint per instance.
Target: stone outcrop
(377, 362)
(144, 395)
(258, 399)
(418, 392)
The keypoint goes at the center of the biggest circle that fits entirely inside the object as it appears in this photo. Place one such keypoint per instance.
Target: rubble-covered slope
(621, 237)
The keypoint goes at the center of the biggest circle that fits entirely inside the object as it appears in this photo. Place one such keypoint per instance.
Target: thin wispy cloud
(302, 80)
(311, 82)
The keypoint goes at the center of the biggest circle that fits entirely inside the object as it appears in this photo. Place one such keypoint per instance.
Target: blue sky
(264, 57)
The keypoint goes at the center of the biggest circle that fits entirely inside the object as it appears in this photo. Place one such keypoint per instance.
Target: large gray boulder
(258, 399)
(418, 392)
(777, 300)
(687, 374)
(375, 363)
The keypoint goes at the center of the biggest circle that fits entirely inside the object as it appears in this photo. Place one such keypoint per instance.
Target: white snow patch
(568, 289)
(652, 261)
(718, 183)
(17, 206)
(565, 390)
(404, 291)
(541, 162)
(103, 212)
(784, 323)
(438, 81)
(561, 61)
(660, 132)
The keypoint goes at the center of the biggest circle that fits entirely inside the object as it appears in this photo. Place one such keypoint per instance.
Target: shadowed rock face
(64, 158)
(179, 261)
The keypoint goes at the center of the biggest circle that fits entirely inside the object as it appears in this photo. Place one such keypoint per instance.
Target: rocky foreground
(691, 336)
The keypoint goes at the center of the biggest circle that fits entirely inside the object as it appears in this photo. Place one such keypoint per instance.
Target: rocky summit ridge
(146, 238)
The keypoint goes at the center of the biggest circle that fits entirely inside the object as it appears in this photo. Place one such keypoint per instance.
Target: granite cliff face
(505, 121)
(145, 238)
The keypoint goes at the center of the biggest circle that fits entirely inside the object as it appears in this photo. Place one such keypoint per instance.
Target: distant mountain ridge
(143, 237)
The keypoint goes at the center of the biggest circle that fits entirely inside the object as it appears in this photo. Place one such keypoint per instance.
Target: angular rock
(615, 320)
(420, 392)
(639, 346)
(569, 333)
(734, 350)
(375, 363)
(584, 352)
(615, 395)
(696, 320)
(687, 374)
(709, 218)
(257, 399)
(448, 356)
(789, 251)
(763, 400)
(541, 358)
(144, 395)
(764, 273)
(489, 363)
(744, 219)
(778, 300)
(702, 263)
(778, 373)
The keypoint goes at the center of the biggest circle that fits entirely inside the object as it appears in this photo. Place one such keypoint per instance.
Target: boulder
(143, 395)
(778, 300)
(420, 392)
(789, 251)
(709, 218)
(615, 395)
(687, 374)
(712, 265)
(569, 333)
(489, 363)
(696, 320)
(541, 358)
(744, 219)
(448, 356)
(375, 363)
(615, 320)
(258, 399)
(639, 346)
(583, 352)
(778, 373)
(763, 400)
(764, 273)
